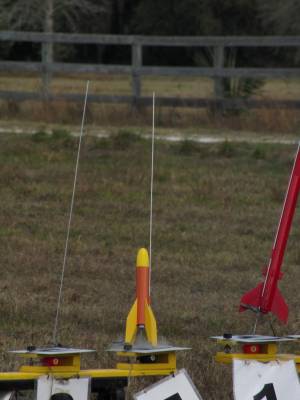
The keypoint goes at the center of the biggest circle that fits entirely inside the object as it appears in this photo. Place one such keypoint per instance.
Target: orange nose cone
(142, 259)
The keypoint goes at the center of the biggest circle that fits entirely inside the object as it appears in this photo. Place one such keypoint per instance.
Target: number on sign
(174, 397)
(267, 392)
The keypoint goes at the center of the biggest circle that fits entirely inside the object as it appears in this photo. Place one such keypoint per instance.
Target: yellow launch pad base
(61, 365)
(254, 350)
(227, 358)
(148, 364)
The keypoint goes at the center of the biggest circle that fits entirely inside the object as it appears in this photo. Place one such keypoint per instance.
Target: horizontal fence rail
(205, 41)
(47, 67)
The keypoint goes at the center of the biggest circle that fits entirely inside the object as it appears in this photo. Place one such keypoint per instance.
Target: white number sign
(275, 380)
(77, 389)
(175, 387)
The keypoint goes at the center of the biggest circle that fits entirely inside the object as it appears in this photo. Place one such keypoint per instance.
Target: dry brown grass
(189, 86)
(271, 120)
(113, 116)
(215, 212)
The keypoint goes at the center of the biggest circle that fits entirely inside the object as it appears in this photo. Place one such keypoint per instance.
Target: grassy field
(216, 208)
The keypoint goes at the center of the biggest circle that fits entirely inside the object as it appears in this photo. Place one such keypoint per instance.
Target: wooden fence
(47, 67)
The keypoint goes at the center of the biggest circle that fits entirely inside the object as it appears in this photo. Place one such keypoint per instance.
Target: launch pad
(64, 364)
(255, 347)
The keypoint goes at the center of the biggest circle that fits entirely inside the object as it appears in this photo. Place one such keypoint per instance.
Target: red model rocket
(266, 297)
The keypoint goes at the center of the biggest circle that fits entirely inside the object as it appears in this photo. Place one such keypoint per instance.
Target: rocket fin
(251, 300)
(131, 324)
(279, 307)
(150, 325)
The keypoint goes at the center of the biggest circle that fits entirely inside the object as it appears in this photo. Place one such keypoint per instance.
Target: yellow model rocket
(141, 317)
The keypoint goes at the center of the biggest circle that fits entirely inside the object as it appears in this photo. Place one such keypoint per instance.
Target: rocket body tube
(142, 292)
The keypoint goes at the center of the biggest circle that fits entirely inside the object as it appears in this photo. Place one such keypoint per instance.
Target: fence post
(136, 63)
(47, 58)
(218, 64)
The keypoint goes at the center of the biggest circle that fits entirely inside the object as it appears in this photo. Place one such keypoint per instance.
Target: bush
(226, 149)
(124, 139)
(40, 136)
(63, 137)
(259, 152)
(187, 147)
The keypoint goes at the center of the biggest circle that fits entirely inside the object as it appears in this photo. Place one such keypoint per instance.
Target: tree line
(151, 17)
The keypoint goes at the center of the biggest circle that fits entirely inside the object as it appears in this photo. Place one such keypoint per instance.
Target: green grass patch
(215, 213)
